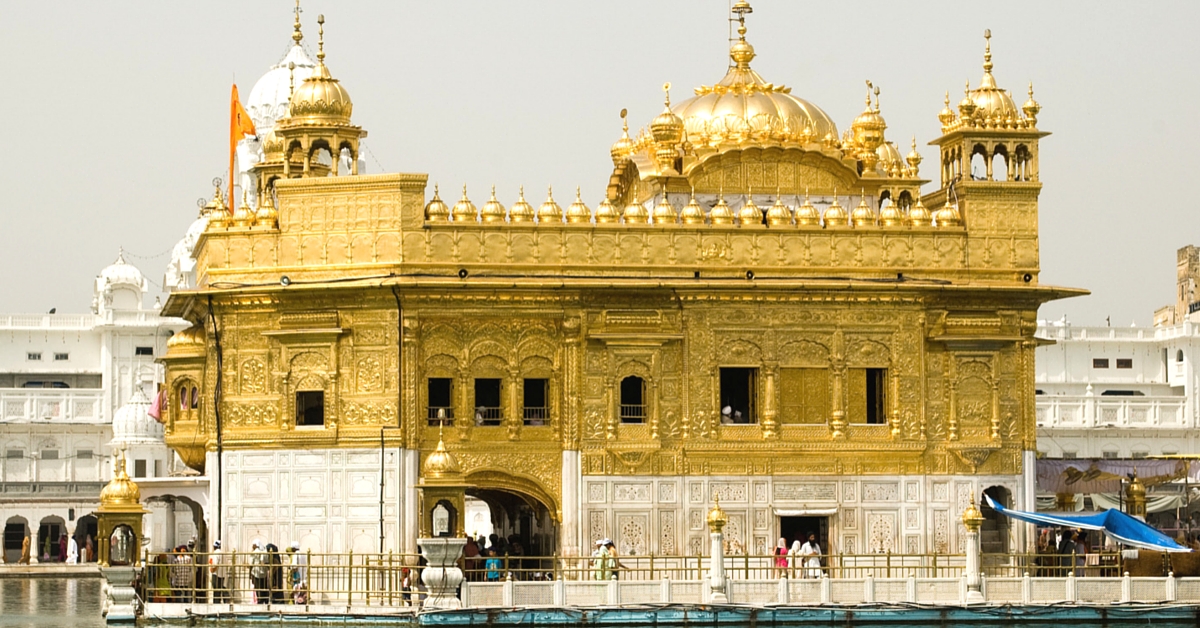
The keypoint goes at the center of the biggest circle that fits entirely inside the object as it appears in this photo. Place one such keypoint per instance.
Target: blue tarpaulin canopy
(1120, 526)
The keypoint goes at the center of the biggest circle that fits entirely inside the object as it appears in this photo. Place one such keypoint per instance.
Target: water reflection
(47, 602)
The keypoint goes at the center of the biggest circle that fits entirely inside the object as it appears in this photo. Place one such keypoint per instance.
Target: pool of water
(50, 603)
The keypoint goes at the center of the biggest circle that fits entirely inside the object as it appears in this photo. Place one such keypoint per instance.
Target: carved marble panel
(666, 492)
(806, 492)
(729, 492)
(596, 492)
(880, 491)
(631, 493)
(631, 534)
(667, 532)
(881, 532)
(597, 526)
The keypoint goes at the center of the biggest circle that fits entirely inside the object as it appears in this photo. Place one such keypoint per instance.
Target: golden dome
(436, 210)
(807, 215)
(744, 108)
(890, 216)
(716, 517)
(869, 126)
(946, 116)
(440, 464)
(918, 215)
(913, 159)
(721, 213)
(693, 213)
(966, 106)
(321, 98)
(218, 214)
(750, 214)
(266, 216)
(991, 102)
(972, 518)
(667, 128)
(607, 212)
(192, 337)
(948, 216)
(1031, 107)
(521, 211)
(550, 212)
(578, 212)
(244, 216)
(836, 216)
(622, 147)
(464, 209)
(779, 215)
(272, 146)
(492, 210)
(862, 215)
(664, 212)
(635, 214)
(890, 159)
(121, 493)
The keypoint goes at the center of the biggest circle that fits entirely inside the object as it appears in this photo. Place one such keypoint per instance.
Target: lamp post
(972, 519)
(716, 565)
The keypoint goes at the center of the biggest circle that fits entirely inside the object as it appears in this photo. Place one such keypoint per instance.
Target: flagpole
(233, 100)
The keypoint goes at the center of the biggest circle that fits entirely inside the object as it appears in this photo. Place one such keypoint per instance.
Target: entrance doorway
(523, 534)
(85, 538)
(48, 548)
(15, 530)
(994, 533)
(798, 528)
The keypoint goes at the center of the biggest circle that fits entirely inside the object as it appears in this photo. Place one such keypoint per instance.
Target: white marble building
(73, 387)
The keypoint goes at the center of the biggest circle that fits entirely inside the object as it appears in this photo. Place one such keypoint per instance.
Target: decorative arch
(489, 365)
(441, 365)
(804, 353)
(742, 351)
(523, 485)
(868, 353)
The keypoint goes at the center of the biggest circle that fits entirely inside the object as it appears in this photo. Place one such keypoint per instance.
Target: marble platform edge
(49, 570)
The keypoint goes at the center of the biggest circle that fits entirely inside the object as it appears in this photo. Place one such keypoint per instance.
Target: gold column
(770, 422)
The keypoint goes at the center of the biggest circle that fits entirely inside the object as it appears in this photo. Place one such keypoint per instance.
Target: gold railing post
(935, 571)
(350, 578)
(391, 572)
(652, 566)
(889, 563)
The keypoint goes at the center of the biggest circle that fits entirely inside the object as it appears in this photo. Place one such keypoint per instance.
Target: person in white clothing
(811, 553)
(795, 560)
(72, 551)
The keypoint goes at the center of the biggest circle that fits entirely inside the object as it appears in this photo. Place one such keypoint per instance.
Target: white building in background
(73, 387)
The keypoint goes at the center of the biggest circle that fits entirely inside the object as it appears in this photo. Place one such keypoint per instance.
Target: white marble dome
(269, 98)
(179, 271)
(120, 273)
(132, 424)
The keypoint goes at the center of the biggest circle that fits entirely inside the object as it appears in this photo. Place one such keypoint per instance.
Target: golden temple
(760, 308)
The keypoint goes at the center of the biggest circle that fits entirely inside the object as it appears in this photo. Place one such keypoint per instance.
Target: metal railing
(489, 416)
(440, 414)
(633, 413)
(536, 415)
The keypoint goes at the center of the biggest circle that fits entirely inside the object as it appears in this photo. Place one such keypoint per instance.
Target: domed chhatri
(121, 272)
(579, 212)
(436, 210)
(550, 212)
(493, 210)
(441, 464)
(521, 211)
(121, 493)
(989, 106)
(321, 97)
(189, 340)
(464, 209)
(270, 98)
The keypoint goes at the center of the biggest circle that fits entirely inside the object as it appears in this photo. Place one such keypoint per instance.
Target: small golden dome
(918, 215)
(521, 211)
(721, 213)
(664, 212)
(914, 158)
(266, 216)
(807, 215)
(121, 493)
(862, 215)
(948, 216)
(272, 146)
(464, 209)
(635, 214)
(550, 212)
(667, 128)
(741, 51)
(966, 106)
(779, 215)
(972, 518)
(607, 212)
(869, 126)
(716, 517)
(624, 146)
(835, 215)
(693, 213)
(218, 215)
(890, 216)
(492, 210)
(750, 214)
(440, 464)
(946, 116)
(578, 212)
(990, 104)
(321, 98)
(436, 210)
(1031, 107)
(191, 337)
(890, 159)
(244, 216)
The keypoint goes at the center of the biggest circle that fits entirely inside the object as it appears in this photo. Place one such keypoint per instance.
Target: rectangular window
(803, 396)
(633, 400)
(139, 468)
(158, 468)
(488, 410)
(14, 454)
(143, 351)
(536, 394)
(866, 396)
(1140, 455)
(1069, 455)
(49, 454)
(33, 355)
(83, 454)
(739, 398)
(310, 408)
(440, 404)
(1124, 363)
(62, 357)
(1109, 455)
(1099, 363)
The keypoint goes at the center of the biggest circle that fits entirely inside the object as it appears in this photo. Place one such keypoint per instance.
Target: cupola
(578, 212)
(550, 212)
(464, 209)
(521, 211)
(492, 210)
(436, 210)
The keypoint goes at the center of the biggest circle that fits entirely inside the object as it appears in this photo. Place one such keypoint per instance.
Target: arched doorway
(523, 520)
(48, 548)
(175, 520)
(15, 530)
(85, 538)
(995, 531)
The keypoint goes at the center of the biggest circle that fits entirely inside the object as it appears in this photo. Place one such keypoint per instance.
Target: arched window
(1179, 355)
(633, 400)
(195, 398)
(998, 168)
(979, 165)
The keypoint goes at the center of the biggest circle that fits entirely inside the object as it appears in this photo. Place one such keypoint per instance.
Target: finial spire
(869, 86)
(297, 36)
(987, 50)
(667, 94)
(321, 38)
(291, 79)
(876, 99)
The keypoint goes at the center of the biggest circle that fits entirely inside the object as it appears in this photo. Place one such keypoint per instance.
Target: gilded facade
(759, 308)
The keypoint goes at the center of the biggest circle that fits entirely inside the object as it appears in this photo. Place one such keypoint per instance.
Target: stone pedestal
(442, 575)
(972, 519)
(717, 593)
(119, 607)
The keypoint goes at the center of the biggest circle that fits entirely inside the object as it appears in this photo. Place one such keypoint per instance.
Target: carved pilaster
(770, 423)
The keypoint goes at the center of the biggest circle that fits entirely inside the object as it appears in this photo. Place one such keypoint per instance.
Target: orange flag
(240, 125)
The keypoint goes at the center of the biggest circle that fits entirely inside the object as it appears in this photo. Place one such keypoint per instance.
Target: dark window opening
(43, 384)
(14, 454)
(633, 400)
(1099, 363)
(310, 408)
(1039, 391)
(1122, 393)
(866, 396)
(143, 351)
(440, 405)
(1124, 363)
(1069, 455)
(83, 454)
(536, 395)
(49, 454)
(33, 355)
(1179, 355)
(738, 395)
(195, 401)
(488, 410)
(59, 357)
(876, 396)
(139, 468)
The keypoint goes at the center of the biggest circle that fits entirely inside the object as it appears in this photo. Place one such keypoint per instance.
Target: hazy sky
(115, 116)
